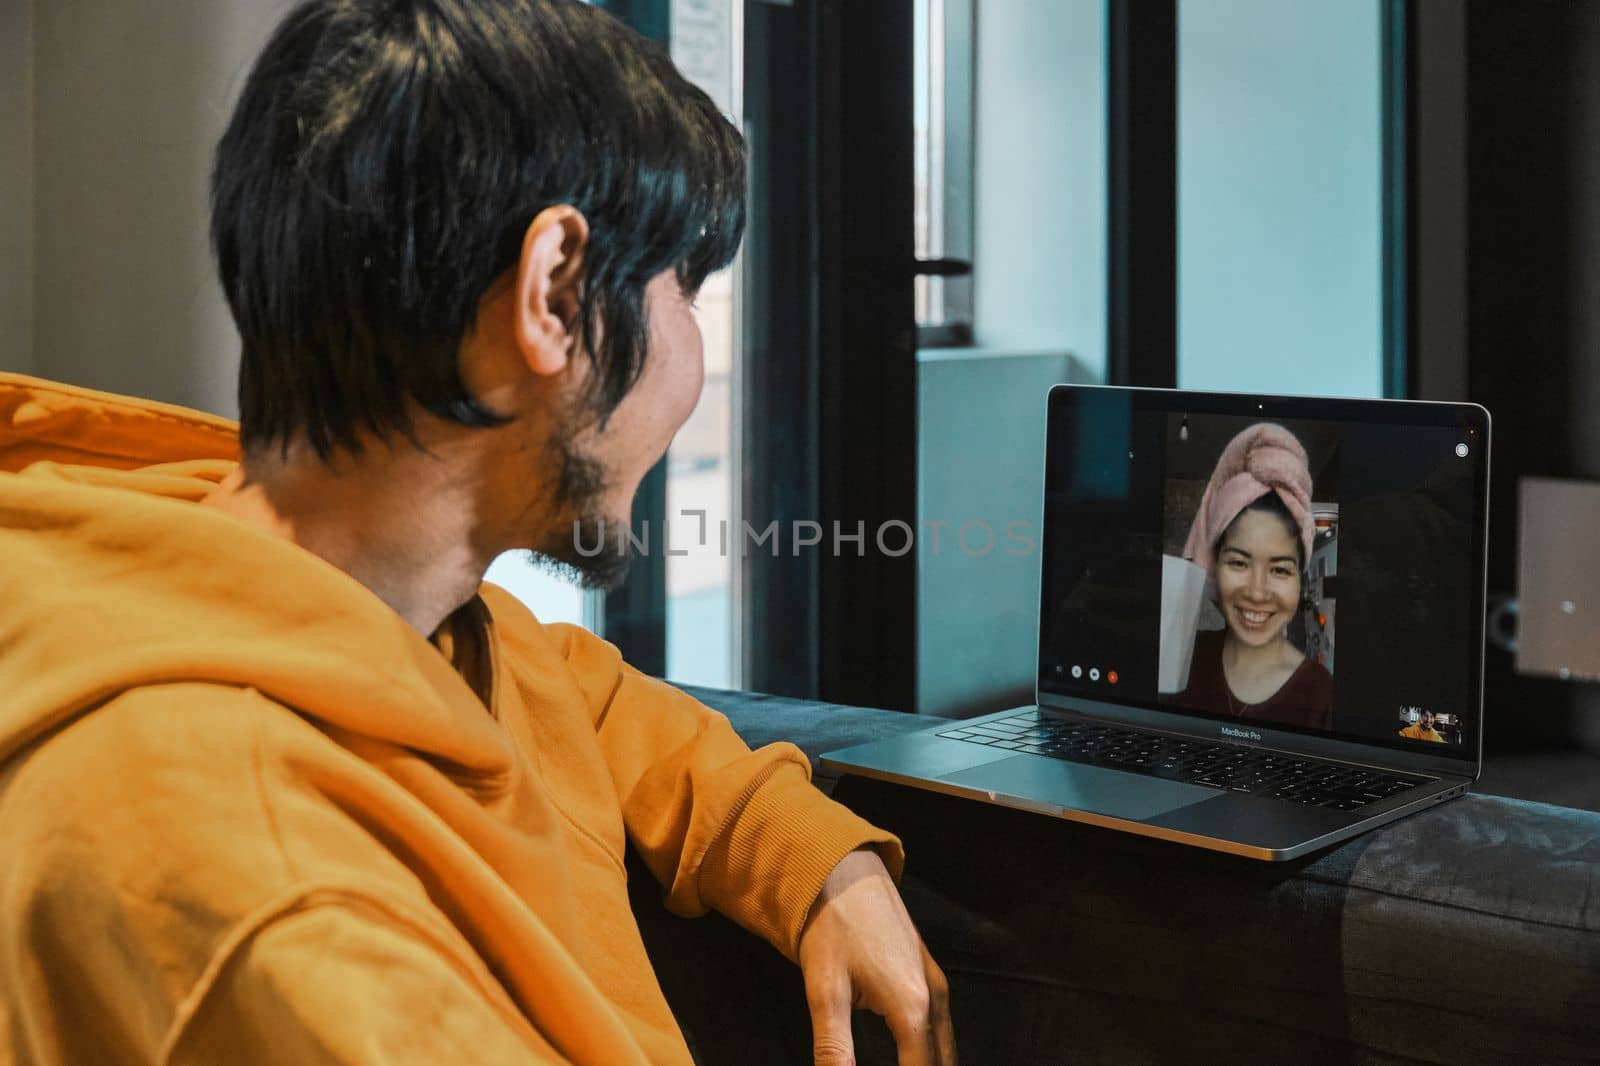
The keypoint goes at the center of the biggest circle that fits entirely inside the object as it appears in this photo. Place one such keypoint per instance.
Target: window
(1280, 185)
(551, 598)
(706, 38)
(942, 73)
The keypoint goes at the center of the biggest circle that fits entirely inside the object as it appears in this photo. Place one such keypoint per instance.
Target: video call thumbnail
(1420, 723)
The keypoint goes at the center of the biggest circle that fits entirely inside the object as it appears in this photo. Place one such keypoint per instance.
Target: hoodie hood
(112, 577)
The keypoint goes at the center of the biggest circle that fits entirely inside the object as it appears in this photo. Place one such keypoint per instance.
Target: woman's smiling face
(1258, 577)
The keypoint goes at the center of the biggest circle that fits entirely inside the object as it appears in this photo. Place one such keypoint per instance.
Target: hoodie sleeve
(722, 827)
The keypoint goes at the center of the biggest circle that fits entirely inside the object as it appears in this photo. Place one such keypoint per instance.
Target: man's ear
(549, 286)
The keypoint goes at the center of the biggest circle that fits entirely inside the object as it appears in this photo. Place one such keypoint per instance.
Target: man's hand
(859, 949)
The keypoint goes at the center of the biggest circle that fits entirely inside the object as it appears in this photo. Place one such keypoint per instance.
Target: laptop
(1228, 672)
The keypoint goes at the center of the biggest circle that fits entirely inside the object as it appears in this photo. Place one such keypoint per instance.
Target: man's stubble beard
(580, 485)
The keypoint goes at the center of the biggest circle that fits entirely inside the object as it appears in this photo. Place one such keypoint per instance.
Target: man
(1422, 729)
(278, 781)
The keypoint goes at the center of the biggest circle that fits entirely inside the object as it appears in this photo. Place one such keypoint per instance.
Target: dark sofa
(1468, 933)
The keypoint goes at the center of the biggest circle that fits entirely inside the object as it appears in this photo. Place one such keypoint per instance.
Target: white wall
(104, 175)
(16, 185)
(1039, 274)
(131, 98)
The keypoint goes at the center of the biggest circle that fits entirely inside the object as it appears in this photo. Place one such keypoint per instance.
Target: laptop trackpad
(1081, 788)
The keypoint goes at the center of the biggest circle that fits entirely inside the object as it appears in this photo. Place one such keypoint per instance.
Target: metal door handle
(942, 268)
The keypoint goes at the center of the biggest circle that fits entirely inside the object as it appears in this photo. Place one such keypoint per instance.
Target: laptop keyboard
(1336, 786)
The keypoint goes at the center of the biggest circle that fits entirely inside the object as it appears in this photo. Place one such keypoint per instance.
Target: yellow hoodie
(247, 814)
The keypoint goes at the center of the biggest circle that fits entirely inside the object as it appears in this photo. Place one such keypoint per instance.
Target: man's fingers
(915, 1047)
(831, 1042)
(859, 948)
(944, 1030)
(911, 1024)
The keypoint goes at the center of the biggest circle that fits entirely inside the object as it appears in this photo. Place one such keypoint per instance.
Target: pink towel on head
(1264, 458)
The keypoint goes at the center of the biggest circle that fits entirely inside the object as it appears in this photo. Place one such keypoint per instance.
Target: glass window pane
(706, 36)
(1035, 146)
(700, 479)
(942, 118)
(1039, 269)
(551, 598)
(1280, 219)
(922, 69)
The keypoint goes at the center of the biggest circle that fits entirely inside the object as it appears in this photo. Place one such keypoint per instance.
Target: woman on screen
(1253, 535)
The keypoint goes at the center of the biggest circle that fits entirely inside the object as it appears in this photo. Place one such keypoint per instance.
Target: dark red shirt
(1306, 699)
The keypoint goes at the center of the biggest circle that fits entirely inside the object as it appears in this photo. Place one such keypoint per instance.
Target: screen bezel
(1420, 413)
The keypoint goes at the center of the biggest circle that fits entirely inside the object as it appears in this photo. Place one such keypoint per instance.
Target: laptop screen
(1310, 565)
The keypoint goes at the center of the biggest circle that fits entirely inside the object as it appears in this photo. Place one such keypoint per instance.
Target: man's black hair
(381, 169)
